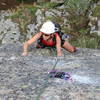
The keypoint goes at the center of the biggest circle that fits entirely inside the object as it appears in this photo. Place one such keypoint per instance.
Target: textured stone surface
(9, 31)
(25, 78)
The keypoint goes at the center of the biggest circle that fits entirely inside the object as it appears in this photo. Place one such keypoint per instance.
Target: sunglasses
(47, 34)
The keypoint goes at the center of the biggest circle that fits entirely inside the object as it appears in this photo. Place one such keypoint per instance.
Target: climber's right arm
(29, 42)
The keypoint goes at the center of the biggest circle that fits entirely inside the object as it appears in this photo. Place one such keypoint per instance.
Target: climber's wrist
(25, 50)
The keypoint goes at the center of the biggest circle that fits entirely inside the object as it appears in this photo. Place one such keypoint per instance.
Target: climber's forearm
(25, 47)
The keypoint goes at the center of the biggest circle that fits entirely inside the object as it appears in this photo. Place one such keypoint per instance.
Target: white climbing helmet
(48, 27)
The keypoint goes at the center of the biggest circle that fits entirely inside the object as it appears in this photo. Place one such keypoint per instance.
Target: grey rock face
(3, 14)
(95, 28)
(40, 18)
(30, 31)
(9, 31)
(49, 14)
(26, 78)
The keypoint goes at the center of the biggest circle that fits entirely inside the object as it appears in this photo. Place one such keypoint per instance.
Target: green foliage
(86, 42)
(32, 10)
(23, 10)
(24, 15)
(49, 5)
(94, 1)
(78, 7)
(84, 31)
(96, 11)
(77, 22)
(78, 14)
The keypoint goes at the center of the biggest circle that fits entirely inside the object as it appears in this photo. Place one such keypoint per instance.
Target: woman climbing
(49, 37)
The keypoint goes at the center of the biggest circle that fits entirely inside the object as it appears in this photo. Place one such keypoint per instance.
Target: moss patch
(96, 11)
